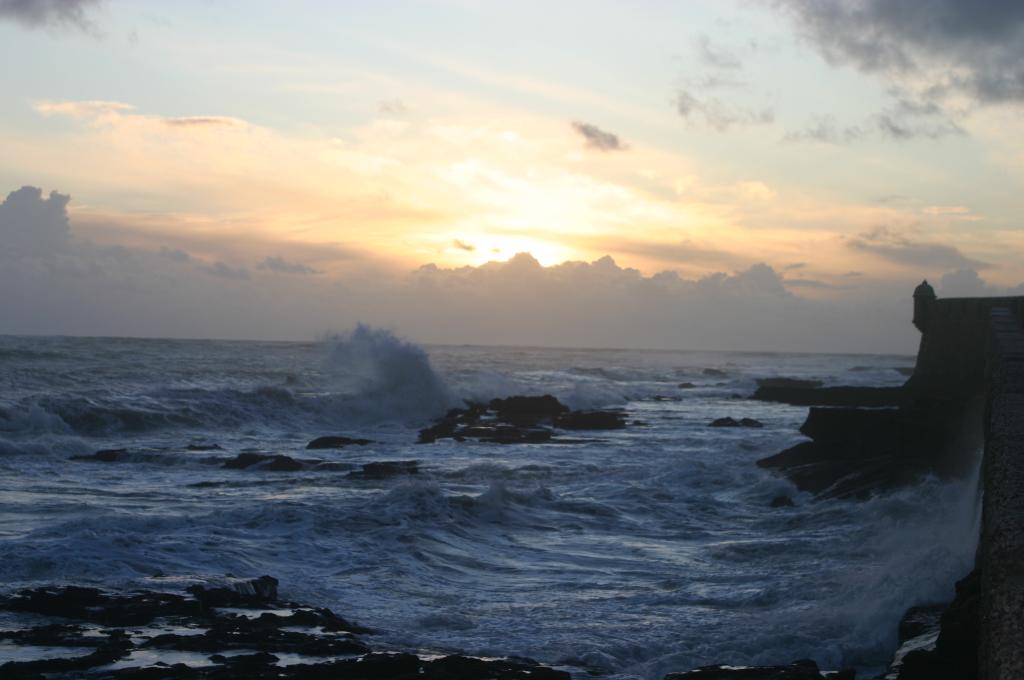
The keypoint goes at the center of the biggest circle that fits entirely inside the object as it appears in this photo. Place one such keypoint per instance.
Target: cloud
(717, 114)
(462, 245)
(225, 271)
(81, 109)
(69, 285)
(916, 254)
(904, 120)
(174, 254)
(597, 138)
(204, 121)
(31, 225)
(944, 46)
(280, 265)
(393, 107)
(825, 129)
(714, 56)
(812, 284)
(678, 252)
(49, 13)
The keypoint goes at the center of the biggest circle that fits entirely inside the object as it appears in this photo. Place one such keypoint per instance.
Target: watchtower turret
(924, 296)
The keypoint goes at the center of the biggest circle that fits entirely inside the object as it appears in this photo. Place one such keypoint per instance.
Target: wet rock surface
(517, 420)
(732, 422)
(856, 452)
(237, 630)
(811, 393)
(955, 653)
(804, 669)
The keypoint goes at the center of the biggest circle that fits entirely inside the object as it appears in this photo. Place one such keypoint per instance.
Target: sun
(478, 249)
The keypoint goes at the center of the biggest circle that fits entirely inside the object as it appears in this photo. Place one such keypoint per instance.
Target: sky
(746, 175)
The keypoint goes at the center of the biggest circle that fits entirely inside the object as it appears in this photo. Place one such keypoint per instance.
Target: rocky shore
(237, 630)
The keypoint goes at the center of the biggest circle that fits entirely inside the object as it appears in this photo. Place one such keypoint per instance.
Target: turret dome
(924, 290)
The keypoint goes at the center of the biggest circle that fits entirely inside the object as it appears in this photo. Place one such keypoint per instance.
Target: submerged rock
(805, 669)
(103, 456)
(274, 463)
(336, 442)
(591, 420)
(782, 501)
(732, 422)
(386, 469)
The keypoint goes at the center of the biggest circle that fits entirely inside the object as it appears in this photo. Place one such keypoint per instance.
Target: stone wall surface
(951, 361)
(1001, 547)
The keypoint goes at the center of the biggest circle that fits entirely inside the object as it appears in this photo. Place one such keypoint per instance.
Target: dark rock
(789, 383)
(918, 621)
(858, 452)
(239, 646)
(782, 501)
(833, 396)
(103, 456)
(386, 469)
(517, 420)
(239, 634)
(804, 669)
(457, 667)
(714, 373)
(336, 442)
(242, 593)
(116, 646)
(732, 422)
(956, 650)
(591, 420)
(274, 463)
(95, 605)
(521, 410)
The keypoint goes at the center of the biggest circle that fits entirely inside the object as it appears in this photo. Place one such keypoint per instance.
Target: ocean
(625, 554)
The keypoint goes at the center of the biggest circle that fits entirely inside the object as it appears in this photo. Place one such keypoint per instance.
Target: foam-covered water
(628, 553)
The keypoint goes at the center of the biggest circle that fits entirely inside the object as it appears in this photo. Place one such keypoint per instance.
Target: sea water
(627, 553)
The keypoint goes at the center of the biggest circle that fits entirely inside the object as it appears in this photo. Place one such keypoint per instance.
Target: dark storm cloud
(918, 254)
(718, 114)
(982, 39)
(598, 138)
(275, 263)
(39, 13)
(31, 225)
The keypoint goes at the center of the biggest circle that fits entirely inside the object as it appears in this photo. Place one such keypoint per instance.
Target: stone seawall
(951, 361)
(1000, 559)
